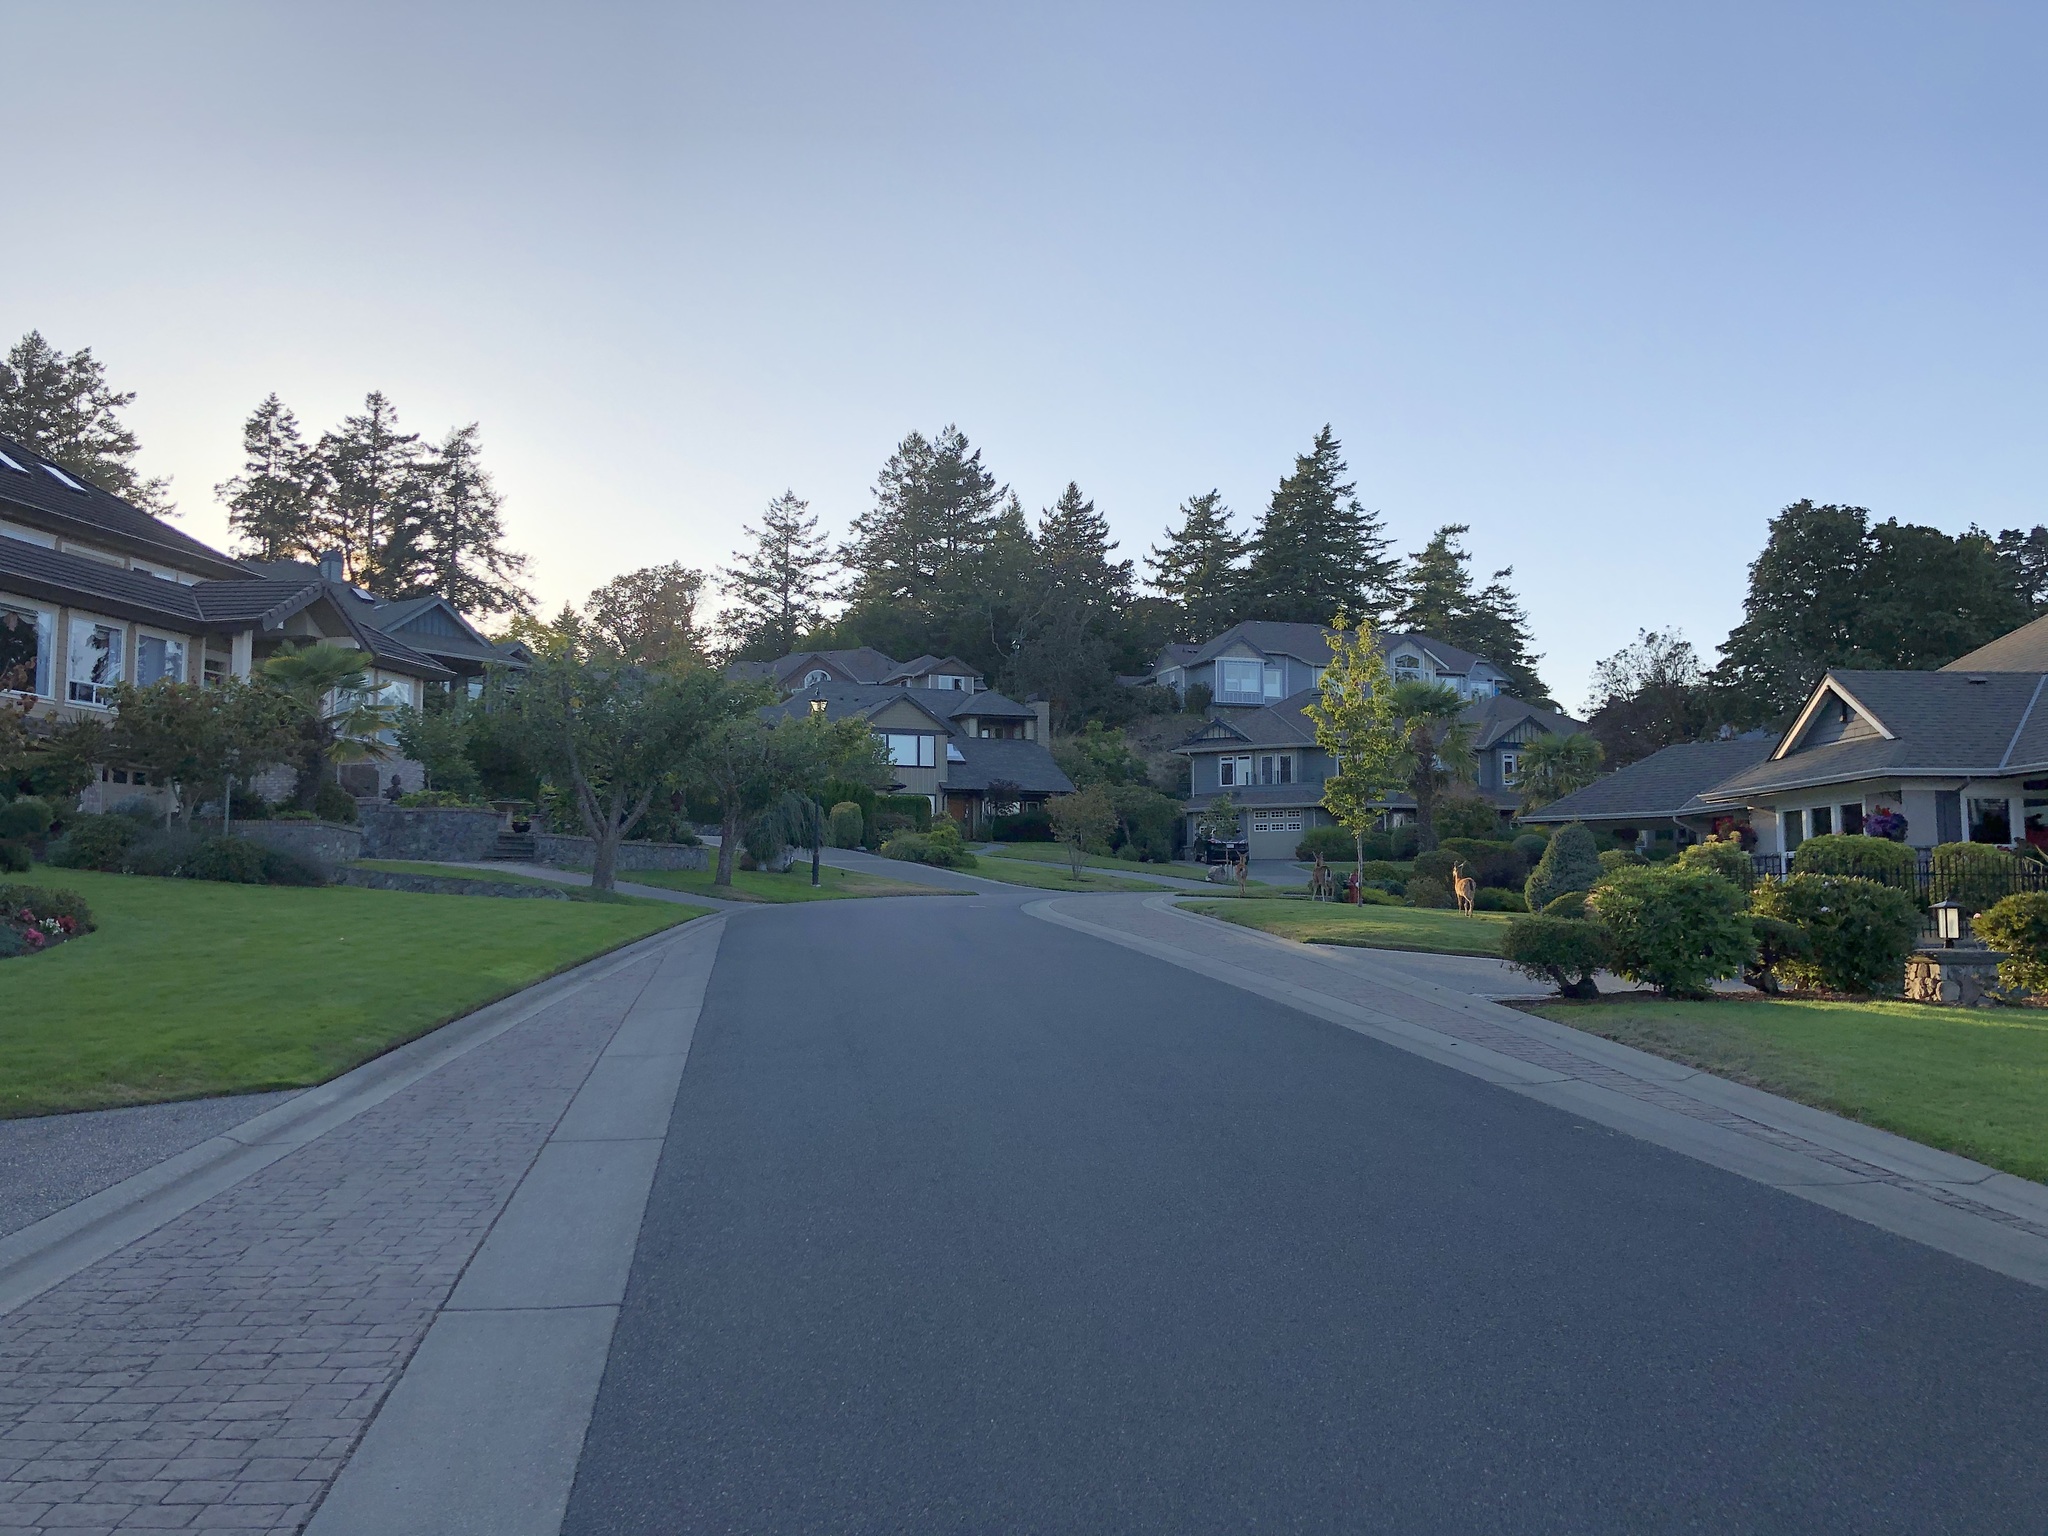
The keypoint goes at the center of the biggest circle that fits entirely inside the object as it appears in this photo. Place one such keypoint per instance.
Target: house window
(1273, 678)
(1820, 821)
(908, 749)
(1240, 679)
(1795, 829)
(95, 662)
(158, 658)
(215, 670)
(1852, 818)
(1406, 667)
(1286, 766)
(816, 676)
(1990, 820)
(25, 650)
(1510, 765)
(1232, 771)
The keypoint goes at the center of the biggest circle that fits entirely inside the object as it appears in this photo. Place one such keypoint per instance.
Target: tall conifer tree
(371, 472)
(1438, 599)
(1067, 645)
(1317, 549)
(62, 407)
(777, 586)
(271, 503)
(1198, 569)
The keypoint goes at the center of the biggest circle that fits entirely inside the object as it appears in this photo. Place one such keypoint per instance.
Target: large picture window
(96, 661)
(159, 659)
(908, 749)
(1240, 679)
(26, 644)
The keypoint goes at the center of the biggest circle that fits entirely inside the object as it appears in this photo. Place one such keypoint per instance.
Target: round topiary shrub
(1530, 846)
(1859, 934)
(2017, 926)
(1493, 899)
(1562, 951)
(847, 827)
(1570, 904)
(1725, 857)
(24, 818)
(1570, 862)
(1677, 929)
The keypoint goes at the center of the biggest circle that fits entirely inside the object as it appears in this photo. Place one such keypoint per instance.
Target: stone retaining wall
(326, 845)
(565, 852)
(437, 834)
(444, 885)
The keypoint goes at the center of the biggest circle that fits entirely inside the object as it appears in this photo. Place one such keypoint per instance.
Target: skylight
(62, 479)
(9, 463)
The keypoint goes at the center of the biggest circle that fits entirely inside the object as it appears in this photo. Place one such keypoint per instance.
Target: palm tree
(1555, 766)
(1439, 750)
(340, 721)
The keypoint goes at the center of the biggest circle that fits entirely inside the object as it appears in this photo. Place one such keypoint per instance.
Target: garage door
(1273, 834)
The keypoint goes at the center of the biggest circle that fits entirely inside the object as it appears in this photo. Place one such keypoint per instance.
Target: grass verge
(1058, 877)
(470, 872)
(192, 988)
(1433, 931)
(1967, 1080)
(1054, 854)
(759, 885)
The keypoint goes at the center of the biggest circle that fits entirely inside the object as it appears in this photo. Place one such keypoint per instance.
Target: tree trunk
(816, 859)
(604, 860)
(728, 848)
(1358, 847)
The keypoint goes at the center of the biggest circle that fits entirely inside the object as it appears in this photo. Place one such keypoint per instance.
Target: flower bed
(33, 919)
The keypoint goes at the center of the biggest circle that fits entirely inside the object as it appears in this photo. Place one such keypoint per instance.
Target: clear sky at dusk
(1611, 283)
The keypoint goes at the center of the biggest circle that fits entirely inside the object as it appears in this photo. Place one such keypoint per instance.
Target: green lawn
(1439, 931)
(1969, 1080)
(1058, 877)
(191, 987)
(1054, 854)
(759, 885)
(469, 872)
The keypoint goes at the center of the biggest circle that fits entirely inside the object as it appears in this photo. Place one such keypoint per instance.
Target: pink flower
(34, 937)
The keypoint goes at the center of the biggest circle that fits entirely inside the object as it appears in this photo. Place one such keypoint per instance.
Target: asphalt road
(970, 1223)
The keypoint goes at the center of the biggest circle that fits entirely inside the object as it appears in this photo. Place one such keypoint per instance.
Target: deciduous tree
(647, 616)
(1355, 723)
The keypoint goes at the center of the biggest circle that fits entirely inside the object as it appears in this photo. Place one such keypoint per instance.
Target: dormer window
(816, 676)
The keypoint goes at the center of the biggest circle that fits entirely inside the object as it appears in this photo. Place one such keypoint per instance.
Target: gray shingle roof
(1307, 642)
(1024, 763)
(2024, 650)
(862, 699)
(93, 511)
(1664, 784)
(54, 576)
(1493, 718)
(1272, 725)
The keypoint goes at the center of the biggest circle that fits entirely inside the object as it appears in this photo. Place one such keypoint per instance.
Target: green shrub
(2017, 926)
(1570, 904)
(24, 818)
(1725, 857)
(1333, 843)
(1612, 859)
(1395, 843)
(430, 798)
(929, 848)
(1430, 891)
(94, 842)
(1027, 826)
(917, 807)
(1858, 933)
(848, 828)
(1145, 819)
(1434, 865)
(1562, 951)
(234, 860)
(1373, 896)
(282, 868)
(1466, 816)
(1490, 863)
(1975, 876)
(1530, 846)
(333, 803)
(43, 903)
(1570, 862)
(14, 858)
(1777, 941)
(1492, 899)
(164, 852)
(1677, 929)
(1386, 869)
(1867, 858)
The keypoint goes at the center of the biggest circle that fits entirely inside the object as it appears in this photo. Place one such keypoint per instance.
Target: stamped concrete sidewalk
(1948, 1202)
(217, 1373)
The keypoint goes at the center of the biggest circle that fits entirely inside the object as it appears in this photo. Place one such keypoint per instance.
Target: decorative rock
(1962, 978)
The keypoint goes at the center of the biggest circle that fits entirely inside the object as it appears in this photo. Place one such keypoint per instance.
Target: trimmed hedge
(94, 842)
(1492, 899)
(1859, 933)
(1975, 876)
(1333, 843)
(916, 807)
(848, 827)
(1724, 856)
(1866, 858)
(1563, 951)
(1677, 929)
(1570, 862)
(1032, 826)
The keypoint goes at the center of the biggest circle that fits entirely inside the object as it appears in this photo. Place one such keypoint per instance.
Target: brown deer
(1466, 887)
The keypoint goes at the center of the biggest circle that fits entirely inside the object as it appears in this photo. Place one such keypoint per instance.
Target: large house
(1259, 663)
(1268, 762)
(95, 592)
(1659, 799)
(970, 751)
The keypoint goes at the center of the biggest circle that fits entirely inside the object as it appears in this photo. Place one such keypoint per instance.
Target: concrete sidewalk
(202, 1345)
(1948, 1202)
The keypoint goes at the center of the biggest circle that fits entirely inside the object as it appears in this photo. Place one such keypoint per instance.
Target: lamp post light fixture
(1948, 922)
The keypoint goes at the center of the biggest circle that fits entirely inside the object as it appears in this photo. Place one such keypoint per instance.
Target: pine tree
(62, 407)
(448, 533)
(372, 481)
(1198, 568)
(1316, 549)
(1074, 547)
(1067, 645)
(273, 502)
(1438, 599)
(776, 587)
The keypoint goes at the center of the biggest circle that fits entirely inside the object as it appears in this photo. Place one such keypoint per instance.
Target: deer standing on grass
(1466, 887)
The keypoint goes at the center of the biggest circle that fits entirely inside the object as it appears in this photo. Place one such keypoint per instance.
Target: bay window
(1240, 679)
(97, 662)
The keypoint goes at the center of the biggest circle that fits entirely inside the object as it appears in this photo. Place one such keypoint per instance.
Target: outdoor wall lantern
(1948, 922)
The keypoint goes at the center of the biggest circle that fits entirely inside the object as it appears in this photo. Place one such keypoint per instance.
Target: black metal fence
(1973, 880)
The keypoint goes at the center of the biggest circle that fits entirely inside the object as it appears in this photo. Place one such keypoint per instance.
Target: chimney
(1042, 707)
(330, 565)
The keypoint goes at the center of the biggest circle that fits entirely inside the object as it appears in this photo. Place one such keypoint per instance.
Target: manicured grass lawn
(469, 872)
(759, 885)
(1057, 877)
(1437, 931)
(1969, 1080)
(1054, 854)
(191, 987)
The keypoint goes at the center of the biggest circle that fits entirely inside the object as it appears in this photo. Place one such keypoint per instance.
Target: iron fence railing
(1974, 881)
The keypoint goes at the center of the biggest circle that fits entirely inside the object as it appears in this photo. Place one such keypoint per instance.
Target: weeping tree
(749, 761)
(615, 734)
(794, 821)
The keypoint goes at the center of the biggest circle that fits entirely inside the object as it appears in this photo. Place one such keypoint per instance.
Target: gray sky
(1611, 283)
